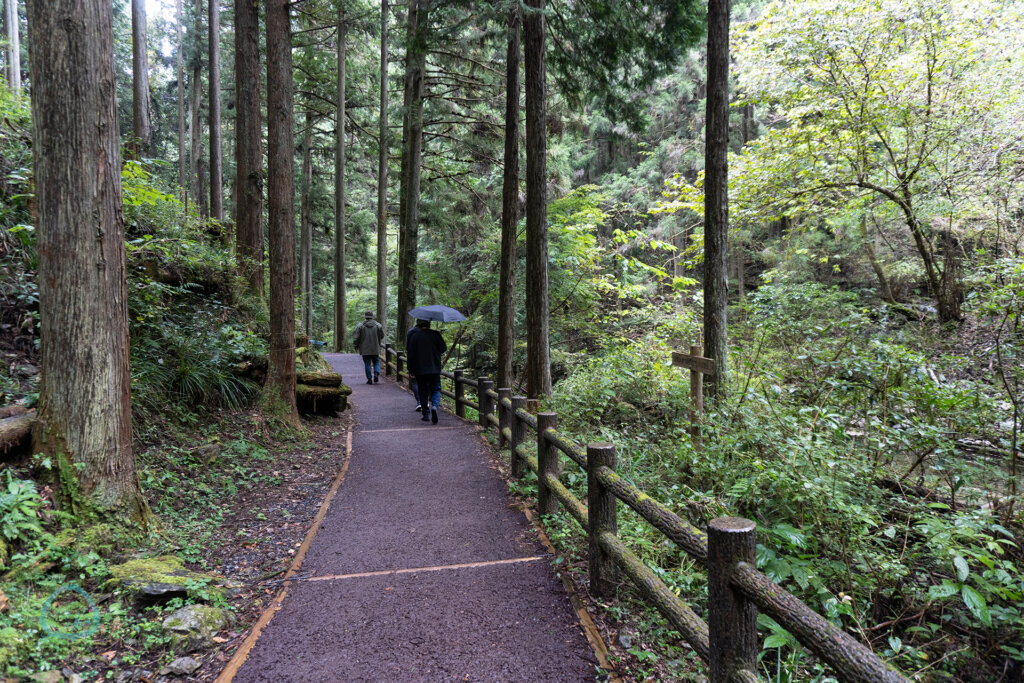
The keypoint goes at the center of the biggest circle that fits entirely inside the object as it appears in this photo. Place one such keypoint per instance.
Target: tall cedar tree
(180, 65)
(340, 300)
(509, 206)
(716, 194)
(248, 146)
(279, 391)
(141, 126)
(382, 173)
(13, 47)
(196, 171)
(216, 157)
(306, 228)
(84, 421)
(538, 353)
(417, 30)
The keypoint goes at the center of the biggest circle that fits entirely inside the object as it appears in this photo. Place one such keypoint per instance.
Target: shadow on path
(449, 585)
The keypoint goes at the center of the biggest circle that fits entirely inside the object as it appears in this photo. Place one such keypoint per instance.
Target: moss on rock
(134, 575)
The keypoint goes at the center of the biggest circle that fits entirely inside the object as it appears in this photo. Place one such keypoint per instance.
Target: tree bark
(11, 23)
(180, 59)
(412, 160)
(716, 195)
(248, 146)
(15, 431)
(306, 231)
(382, 174)
(278, 397)
(340, 294)
(509, 207)
(216, 159)
(84, 416)
(538, 354)
(141, 126)
(883, 281)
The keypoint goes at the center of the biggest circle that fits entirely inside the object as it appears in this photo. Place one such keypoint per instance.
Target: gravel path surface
(418, 501)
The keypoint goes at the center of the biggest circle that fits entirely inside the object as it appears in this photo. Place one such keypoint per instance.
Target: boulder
(196, 625)
(156, 580)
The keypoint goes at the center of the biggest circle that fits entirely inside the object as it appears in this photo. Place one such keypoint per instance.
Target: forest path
(422, 570)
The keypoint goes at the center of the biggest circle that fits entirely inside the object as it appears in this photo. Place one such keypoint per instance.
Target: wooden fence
(728, 642)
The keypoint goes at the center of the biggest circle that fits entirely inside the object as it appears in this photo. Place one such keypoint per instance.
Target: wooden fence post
(696, 400)
(518, 436)
(532, 405)
(547, 463)
(732, 620)
(503, 419)
(483, 400)
(387, 359)
(460, 393)
(602, 518)
(399, 362)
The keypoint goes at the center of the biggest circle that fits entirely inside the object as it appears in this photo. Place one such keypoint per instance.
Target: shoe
(424, 418)
(369, 381)
(433, 415)
(376, 379)
(418, 408)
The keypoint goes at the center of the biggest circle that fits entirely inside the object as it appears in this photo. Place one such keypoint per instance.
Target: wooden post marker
(732, 620)
(518, 436)
(602, 518)
(483, 400)
(698, 367)
(460, 393)
(547, 463)
(503, 419)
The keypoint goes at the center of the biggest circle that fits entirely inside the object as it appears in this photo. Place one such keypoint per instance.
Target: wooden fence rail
(736, 589)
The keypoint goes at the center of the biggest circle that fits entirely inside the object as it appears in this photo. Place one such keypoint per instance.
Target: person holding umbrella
(424, 349)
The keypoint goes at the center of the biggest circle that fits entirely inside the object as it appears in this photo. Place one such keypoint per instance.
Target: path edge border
(235, 663)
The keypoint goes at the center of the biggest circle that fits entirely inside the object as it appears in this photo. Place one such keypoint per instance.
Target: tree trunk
(84, 417)
(340, 302)
(509, 207)
(538, 354)
(196, 106)
(216, 160)
(141, 126)
(248, 146)
(13, 45)
(180, 59)
(883, 281)
(204, 207)
(945, 288)
(278, 397)
(408, 249)
(716, 195)
(306, 231)
(382, 173)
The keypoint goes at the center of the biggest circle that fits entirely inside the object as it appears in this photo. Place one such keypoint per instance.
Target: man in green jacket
(367, 340)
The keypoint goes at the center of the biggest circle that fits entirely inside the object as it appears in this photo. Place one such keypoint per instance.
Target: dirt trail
(449, 583)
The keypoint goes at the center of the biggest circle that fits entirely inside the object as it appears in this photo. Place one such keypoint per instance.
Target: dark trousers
(372, 366)
(429, 387)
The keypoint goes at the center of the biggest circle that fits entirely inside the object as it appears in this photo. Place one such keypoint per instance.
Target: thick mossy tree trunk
(216, 158)
(538, 353)
(382, 173)
(509, 206)
(84, 417)
(278, 397)
(716, 195)
(412, 160)
(141, 126)
(248, 146)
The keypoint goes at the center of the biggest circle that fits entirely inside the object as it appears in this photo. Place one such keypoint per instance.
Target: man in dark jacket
(367, 339)
(424, 349)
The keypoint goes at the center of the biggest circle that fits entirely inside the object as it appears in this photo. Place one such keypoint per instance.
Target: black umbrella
(437, 312)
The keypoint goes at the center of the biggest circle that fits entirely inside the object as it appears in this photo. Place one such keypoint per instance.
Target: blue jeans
(429, 390)
(372, 366)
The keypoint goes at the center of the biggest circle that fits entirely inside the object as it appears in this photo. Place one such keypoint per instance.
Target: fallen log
(15, 431)
(318, 378)
(321, 400)
(11, 411)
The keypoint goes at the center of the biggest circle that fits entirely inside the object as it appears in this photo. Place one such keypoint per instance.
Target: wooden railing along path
(728, 642)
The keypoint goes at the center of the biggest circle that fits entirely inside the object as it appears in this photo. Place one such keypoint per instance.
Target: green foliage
(20, 505)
